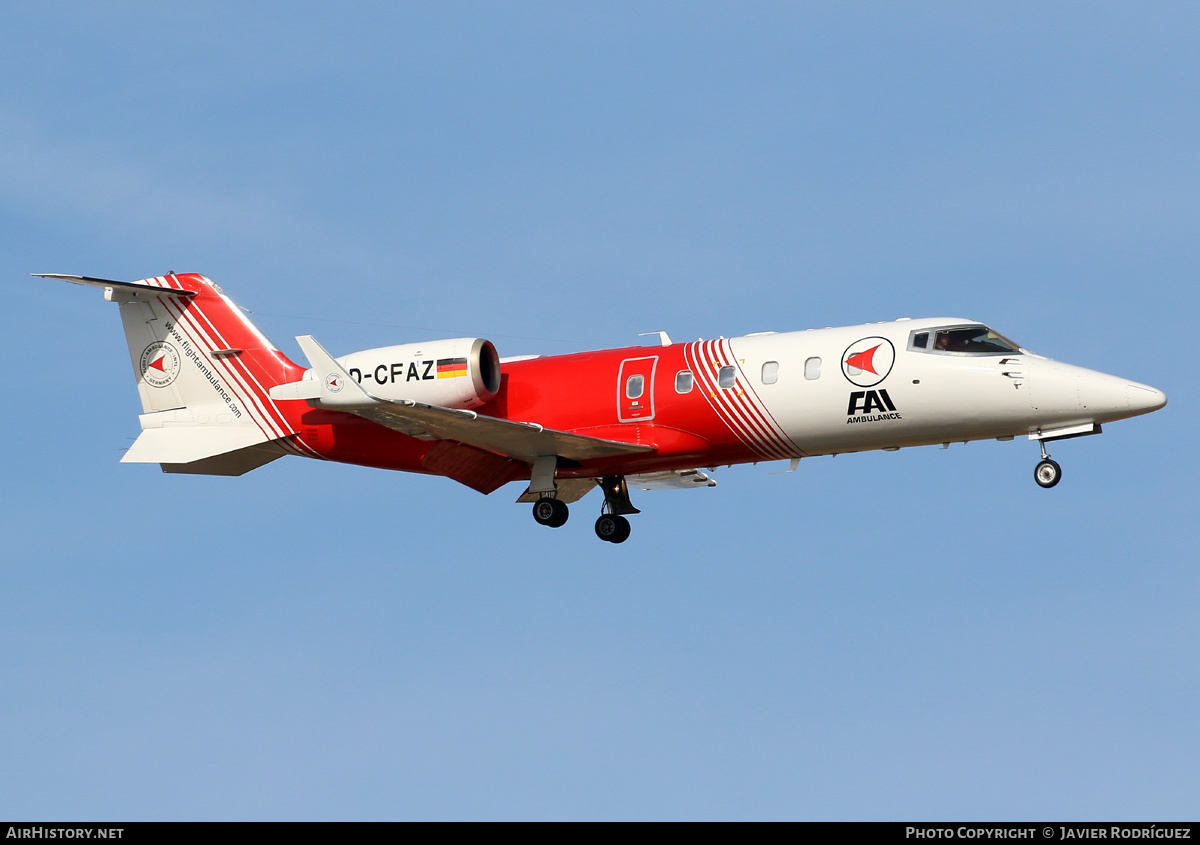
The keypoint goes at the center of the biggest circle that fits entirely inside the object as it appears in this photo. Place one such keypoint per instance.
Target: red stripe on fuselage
(709, 359)
(736, 396)
(774, 436)
(706, 381)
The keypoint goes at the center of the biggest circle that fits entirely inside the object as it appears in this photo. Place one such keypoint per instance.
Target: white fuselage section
(901, 394)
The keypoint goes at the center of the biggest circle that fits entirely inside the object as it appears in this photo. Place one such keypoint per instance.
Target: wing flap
(675, 479)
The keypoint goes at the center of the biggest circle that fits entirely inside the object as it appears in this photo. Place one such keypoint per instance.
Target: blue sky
(851, 641)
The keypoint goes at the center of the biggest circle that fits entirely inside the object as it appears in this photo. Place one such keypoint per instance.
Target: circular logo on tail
(160, 364)
(867, 362)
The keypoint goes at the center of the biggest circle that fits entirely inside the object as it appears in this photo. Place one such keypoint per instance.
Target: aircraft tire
(1047, 473)
(612, 528)
(550, 512)
(623, 530)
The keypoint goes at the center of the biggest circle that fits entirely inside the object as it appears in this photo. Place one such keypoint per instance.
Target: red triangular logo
(864, 360)
(157, 363)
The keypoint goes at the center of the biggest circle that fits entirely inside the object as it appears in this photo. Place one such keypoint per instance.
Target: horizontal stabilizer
(238, 462)
(133, 289)
(182, 444)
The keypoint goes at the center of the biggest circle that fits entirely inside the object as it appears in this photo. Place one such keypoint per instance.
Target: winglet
(328, 384)
(663, 338)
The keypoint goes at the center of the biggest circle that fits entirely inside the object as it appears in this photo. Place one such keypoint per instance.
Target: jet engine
(463, 372)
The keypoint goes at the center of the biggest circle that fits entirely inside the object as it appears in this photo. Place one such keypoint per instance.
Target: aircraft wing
(333, 388)
(523, 441)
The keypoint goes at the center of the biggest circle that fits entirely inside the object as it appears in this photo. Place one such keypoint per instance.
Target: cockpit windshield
(979, 340)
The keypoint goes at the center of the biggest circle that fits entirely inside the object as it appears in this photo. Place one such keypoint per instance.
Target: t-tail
(204, 372)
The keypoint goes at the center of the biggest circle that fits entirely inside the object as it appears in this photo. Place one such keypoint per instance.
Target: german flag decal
(451, 367)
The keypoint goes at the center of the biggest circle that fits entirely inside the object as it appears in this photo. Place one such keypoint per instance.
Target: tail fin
(203, 373)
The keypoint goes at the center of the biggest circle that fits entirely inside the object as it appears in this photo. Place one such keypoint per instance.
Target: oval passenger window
(634, 386)
(726, 377)
(770, 372)
(812, 369)
(683, 381)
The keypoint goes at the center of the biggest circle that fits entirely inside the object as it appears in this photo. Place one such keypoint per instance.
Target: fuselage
(218, 398)
(773, 396)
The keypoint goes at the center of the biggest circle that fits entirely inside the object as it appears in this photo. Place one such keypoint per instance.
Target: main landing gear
(551, 512)
(1047, 473)
(612, 526)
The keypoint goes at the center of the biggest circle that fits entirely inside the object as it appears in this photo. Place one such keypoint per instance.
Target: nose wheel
(1047, 473)
(551, 512)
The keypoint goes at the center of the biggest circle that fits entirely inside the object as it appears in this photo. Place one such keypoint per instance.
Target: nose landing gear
(1047, 473)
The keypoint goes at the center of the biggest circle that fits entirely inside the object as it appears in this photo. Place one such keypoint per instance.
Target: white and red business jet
(220, 399)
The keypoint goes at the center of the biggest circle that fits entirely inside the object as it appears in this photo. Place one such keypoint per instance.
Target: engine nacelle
(460, 373)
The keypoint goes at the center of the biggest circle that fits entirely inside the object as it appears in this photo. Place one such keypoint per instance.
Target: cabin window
(726, 377)
(770, 372)
(920, 340)
(634, 386)
(683, 381)
(812, 369)
(978, 340)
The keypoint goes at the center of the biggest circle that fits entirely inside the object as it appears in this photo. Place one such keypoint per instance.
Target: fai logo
(334, 382)
(867, 362)
(160, 364)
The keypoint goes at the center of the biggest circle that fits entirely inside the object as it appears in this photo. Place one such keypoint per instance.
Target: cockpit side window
(963, 340)
(978, 340)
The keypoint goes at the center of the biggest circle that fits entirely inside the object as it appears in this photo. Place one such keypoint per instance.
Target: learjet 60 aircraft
(220, 399)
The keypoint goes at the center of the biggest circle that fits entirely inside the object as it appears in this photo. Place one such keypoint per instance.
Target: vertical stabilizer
(203, 372)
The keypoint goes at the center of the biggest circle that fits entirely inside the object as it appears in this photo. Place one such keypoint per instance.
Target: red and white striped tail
(204, 373)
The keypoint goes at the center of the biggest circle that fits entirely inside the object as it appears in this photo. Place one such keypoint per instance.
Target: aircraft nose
(1117, 398)
(1143, 398)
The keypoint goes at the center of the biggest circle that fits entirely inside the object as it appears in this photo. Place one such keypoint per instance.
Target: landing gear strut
(1047, 473)
(612, 524)
(550, 512)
